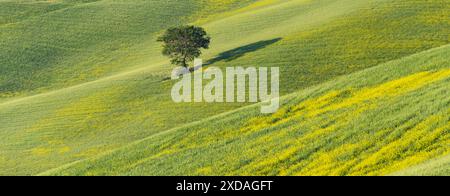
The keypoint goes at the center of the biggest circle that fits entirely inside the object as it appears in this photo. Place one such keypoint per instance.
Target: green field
(369, 123)
(435, 167)
(365, 88)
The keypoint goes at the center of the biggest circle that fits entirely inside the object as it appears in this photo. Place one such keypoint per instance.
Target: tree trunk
(184, 62)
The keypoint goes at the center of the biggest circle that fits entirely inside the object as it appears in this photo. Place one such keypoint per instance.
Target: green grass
(48, 45)
(349, 38)
(373, 122)
(80, 79)
(435, 167)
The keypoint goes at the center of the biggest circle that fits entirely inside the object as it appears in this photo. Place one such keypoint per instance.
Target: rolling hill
(374, 122)
(48, 45)
(82, 87)
(435, 167)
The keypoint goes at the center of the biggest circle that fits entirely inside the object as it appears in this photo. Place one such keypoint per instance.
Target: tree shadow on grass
(234, 54)
(241, 51)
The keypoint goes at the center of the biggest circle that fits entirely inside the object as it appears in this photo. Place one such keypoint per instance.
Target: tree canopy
(183, 44)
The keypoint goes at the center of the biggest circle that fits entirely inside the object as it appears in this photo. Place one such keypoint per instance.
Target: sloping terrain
(53, 44)
(374, 122)
(82, 78)
(434, 167)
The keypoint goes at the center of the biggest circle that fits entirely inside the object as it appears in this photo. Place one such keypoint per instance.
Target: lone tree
(183, 44)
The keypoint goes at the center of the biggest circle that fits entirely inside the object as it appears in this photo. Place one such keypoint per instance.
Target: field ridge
(86, 81)
(222, 115)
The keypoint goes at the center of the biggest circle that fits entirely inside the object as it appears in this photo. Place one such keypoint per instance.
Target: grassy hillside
(100, 71)
(53, 44)
(435, 167)
(320, 40)
(374, 122)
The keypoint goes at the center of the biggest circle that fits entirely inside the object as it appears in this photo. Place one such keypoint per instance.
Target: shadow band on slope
(234, 54)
